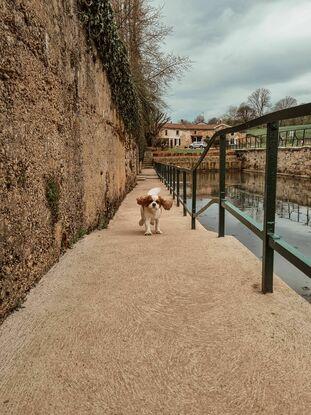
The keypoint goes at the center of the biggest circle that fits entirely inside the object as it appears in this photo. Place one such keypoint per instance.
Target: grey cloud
(237, 46)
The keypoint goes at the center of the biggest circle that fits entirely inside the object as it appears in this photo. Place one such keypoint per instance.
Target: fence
(290, 138)
(175, 178)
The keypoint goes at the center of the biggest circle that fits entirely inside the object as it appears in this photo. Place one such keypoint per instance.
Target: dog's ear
(167, 204)
(144, 200)
(140, 200)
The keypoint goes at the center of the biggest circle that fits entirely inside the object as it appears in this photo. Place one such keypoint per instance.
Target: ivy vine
(98, 18)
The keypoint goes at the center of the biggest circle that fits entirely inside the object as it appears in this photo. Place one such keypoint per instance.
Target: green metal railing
(173, 176)
(288, 138)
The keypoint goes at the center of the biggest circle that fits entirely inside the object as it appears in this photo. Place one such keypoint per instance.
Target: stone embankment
(211, 162)
(295, 161)
(291, 161)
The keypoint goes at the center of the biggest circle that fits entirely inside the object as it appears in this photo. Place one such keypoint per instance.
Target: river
(293, 218)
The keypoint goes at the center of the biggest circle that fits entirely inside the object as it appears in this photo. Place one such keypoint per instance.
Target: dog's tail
(154, 192)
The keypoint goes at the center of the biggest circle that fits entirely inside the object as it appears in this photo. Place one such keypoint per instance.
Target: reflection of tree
(245, 190)
(288, 188)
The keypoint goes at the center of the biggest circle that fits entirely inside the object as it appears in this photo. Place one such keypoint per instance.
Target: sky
(235, 47)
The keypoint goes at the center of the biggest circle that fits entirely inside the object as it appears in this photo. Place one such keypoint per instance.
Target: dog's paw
(159, 232)
(141, 222)
(148, 233)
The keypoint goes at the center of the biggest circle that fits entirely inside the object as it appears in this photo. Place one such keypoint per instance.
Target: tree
(199, 118)
(139, 26)
(244, 113)
(259, 101)
(156, 123)
(231, 115)
(284, 103)
(213, 120)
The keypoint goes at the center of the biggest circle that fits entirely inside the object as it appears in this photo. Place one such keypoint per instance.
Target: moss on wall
(97, 16)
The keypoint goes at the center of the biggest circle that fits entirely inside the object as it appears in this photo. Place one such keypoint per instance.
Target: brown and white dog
(151, 210)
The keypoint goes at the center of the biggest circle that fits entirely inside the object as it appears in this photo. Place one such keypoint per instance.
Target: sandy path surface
(167, 324)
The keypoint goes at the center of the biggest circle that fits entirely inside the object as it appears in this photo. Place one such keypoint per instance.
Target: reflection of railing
(170, 174)
(289, 138)
(284, 209)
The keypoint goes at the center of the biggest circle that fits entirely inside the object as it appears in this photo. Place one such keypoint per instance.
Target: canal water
(293, 218)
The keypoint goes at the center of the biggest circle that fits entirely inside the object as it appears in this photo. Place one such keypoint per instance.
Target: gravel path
(168, 324)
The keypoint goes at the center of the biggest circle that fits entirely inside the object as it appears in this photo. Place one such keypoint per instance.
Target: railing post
(177, 184)
(184, 192)
(194, 198)
(222, 185)
(170, 179)
(269, 205)
(174, 181)
(168, 176)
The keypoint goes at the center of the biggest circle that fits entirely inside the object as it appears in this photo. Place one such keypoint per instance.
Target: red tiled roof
(198, 127)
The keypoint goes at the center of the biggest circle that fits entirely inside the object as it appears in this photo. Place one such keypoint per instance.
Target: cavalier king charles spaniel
(151, 209)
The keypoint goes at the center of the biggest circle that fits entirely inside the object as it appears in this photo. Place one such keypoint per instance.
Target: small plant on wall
(52, 193)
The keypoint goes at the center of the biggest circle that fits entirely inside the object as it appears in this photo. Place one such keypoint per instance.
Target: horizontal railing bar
(176, 167)
(298, 111)
(295, 257)
(210, 203)
(247, 220)
(183, 169)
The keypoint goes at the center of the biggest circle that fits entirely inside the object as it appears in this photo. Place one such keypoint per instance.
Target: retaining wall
(66, 160)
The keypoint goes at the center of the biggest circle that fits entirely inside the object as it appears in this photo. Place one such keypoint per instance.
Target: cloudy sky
(237, 46)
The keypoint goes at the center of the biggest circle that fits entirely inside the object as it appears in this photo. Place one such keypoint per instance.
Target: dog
(151, 210)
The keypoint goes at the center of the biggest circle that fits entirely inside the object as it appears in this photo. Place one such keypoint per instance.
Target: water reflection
(293, 218)
(252, 203)
(245, 190)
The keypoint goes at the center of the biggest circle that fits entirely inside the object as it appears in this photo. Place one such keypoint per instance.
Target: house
(182, 135)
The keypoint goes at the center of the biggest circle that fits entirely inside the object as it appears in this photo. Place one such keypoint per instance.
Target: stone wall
(293, 161)
(66, 161)
(211, 161)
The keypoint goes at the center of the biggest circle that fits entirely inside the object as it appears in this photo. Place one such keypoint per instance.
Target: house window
(195, 131)
(177, 141)
(165, 132)
(177, 132)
